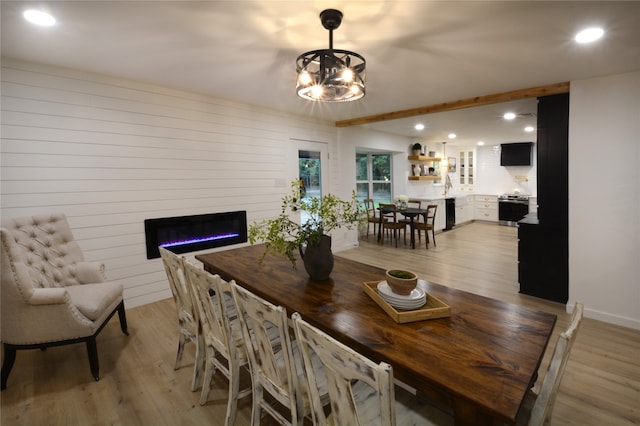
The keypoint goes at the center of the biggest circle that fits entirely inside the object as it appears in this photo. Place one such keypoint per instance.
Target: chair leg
(123, 318)
(433, 235)
(92, 351)
(7, 365)
(209, 371)
(234, 393)
(181, 342)
(199, 361)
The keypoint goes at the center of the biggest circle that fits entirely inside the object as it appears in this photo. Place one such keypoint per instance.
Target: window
(373, 177)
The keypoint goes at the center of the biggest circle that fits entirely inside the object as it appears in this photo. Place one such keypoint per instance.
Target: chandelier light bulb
(347, 75)
(304, 78)
(509, 116)
(316, 91)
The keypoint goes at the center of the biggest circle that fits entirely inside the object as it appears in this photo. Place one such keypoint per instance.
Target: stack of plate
(416, 299)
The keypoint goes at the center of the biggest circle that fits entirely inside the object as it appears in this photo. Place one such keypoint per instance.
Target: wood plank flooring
(601, 385)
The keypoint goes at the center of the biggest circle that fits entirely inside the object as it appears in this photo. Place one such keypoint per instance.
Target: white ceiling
(418, 52)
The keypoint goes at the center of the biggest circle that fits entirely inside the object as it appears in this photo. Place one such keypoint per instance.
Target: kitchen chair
(413, 203)
(390, 222)
(188, 323)
(537, 408)
(50, 295)
(373, 216)
(361, 392)
(224, 345)
(428, 224)
(275, 368)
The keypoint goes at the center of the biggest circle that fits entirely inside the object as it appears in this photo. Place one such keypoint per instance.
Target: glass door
(312, 170)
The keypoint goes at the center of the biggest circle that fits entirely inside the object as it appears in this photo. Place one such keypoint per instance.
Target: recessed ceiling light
(480, 143)
(39, 17)
(452, 135)
(419, 126)
(509, 116)
(589, 35)
(529, 129)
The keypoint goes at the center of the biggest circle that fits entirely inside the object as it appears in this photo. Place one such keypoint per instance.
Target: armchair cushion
(94, 300)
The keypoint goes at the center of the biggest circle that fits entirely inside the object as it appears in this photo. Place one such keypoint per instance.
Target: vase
(318, 259)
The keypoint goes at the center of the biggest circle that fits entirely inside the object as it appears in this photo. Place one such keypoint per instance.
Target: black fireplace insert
(184, 234)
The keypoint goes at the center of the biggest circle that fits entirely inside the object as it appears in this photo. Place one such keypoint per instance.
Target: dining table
(409, 212)
(480, 360)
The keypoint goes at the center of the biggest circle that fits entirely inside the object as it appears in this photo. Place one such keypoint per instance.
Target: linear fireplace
(198, 232)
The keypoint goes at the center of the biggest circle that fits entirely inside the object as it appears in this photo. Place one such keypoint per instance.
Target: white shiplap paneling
(110, 153)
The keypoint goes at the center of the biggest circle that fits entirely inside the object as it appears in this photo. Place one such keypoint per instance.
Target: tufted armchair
(50, 295)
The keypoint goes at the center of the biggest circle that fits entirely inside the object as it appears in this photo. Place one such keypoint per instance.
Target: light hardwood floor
(601, 385)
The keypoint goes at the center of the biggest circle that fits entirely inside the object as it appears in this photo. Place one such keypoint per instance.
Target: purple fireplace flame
(192, 233)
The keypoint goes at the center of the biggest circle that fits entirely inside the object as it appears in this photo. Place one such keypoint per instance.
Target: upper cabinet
(466, 164)
(424, 168)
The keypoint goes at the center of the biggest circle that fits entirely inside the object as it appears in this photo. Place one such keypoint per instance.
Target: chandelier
(330, 75)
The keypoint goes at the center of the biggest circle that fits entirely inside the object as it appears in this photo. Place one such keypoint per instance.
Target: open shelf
(424, 177)
(423, 158)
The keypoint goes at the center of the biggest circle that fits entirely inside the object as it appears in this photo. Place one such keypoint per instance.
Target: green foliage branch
(282, 235)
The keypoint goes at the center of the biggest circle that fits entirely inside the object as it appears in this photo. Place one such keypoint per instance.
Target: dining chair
(188, 323)
(390, 222)
(537, 408)
(373, 216)
(360, 391)
(225, 350)
(275, 368)
(413, 203)
(429, 224)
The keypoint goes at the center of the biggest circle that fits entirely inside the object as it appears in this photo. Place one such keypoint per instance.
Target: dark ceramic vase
(318, 259)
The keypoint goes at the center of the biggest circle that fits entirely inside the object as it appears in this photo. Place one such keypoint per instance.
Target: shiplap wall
(110, 153)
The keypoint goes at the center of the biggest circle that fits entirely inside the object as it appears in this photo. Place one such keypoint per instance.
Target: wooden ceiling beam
(532, 92)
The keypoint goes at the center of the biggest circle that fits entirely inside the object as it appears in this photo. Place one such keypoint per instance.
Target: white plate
(384, 289)
(421, 300)
(406, 306)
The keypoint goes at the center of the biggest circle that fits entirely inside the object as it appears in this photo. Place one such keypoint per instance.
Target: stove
(514, 198)
(512, 208)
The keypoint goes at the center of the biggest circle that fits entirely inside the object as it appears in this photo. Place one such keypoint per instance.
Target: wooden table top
(481, 359)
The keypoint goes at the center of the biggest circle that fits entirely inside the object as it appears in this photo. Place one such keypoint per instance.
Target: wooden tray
(434, 308)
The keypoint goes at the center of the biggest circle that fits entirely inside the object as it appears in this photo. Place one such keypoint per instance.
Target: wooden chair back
(225, 349)
(360, 391)
(543, 406)
(430, 216)
(389, 212)
(271, 360)
(188, 321)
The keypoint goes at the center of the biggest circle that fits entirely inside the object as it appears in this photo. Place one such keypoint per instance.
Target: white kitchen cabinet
(466, 170)
(486, 208)
(464, 209)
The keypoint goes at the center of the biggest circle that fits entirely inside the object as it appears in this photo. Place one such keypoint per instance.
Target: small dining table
(409, 212)
(481, 360)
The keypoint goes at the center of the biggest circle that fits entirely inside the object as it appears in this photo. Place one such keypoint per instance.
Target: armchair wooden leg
(92, 351)
(123, 318)
(7, 365)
